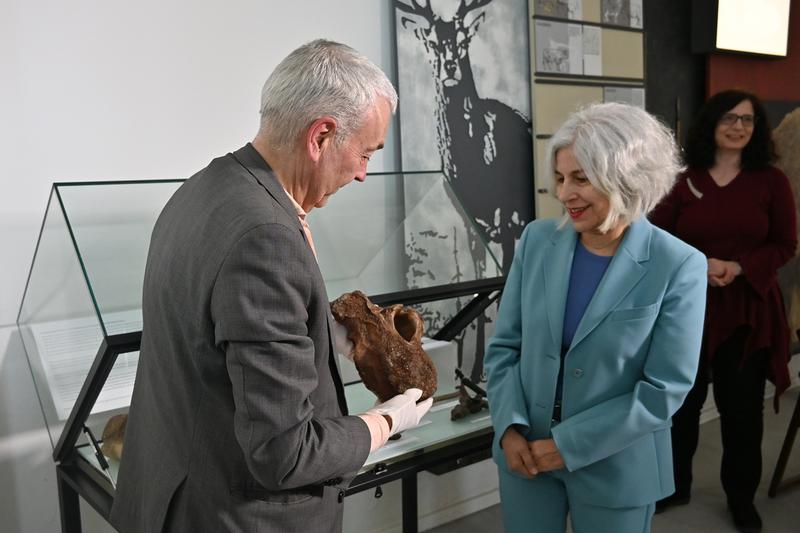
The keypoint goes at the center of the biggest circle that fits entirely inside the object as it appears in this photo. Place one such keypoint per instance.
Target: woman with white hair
(597, 335)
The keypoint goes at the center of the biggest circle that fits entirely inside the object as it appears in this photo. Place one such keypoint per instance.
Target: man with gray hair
(238, 420)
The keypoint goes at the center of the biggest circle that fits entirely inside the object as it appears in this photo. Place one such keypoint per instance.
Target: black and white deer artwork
(482, 144)
(485, 146)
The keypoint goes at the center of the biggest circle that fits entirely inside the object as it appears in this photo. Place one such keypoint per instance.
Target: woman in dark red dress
(735, 207)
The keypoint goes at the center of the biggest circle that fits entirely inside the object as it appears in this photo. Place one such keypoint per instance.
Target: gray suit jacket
(237, 421)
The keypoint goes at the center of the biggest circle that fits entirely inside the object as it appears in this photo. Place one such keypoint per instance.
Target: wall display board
(582, 51)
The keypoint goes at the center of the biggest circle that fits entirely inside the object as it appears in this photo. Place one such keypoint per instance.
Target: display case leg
(786, 449)
(69, 505)
(410, 503)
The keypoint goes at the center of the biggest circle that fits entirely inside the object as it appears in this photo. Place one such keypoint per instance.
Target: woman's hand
(721, 273)
(546, 454)
(518, 455)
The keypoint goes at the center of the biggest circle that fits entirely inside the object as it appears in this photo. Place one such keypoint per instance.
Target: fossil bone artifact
(387, 346)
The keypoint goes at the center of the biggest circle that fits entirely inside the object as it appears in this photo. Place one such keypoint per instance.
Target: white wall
(112, 90)
(103, 89)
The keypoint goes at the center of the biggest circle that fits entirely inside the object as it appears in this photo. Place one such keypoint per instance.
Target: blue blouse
(587, 271)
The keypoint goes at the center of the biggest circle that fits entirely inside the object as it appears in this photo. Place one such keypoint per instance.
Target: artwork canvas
(637, 14)
(592, 51)
(617, 12)
(464, 85)
(552, 8)
(559, 47)
(623, 13)
(565, 9)
(625, 95)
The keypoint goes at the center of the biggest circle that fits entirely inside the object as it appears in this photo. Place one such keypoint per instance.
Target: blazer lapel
(251, 160)
(624, 272)
(256, 166)
(558, 264)
(336, 370)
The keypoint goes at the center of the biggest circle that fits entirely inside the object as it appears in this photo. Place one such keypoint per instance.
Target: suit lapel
(336, 370)
(251, 160)
(558, 264)
(624, 272)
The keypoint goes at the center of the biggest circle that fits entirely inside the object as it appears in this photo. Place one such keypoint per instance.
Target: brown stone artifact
(387, 346)
(113, 435)
(467, 404)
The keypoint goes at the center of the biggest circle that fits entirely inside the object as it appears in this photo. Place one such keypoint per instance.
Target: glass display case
(398, 237)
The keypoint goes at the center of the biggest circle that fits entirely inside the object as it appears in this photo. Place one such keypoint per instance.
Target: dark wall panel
(675, 78)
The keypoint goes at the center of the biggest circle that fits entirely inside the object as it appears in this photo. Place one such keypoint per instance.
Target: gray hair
(321, 78)
(625, 152)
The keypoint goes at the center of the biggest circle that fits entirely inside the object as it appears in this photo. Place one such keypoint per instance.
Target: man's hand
(403, 411)
(546, 454)
(722, 273)
(518, 456)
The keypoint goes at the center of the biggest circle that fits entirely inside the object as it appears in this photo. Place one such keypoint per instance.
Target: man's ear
(320, 136)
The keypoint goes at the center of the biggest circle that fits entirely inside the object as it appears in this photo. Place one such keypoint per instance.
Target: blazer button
(577, 373)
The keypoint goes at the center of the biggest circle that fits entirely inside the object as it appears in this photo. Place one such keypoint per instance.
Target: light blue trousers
(541, 504)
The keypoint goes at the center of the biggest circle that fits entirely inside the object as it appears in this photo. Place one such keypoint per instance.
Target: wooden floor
(707, 512)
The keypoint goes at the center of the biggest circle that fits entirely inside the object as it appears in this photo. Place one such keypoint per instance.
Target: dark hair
(701, 147)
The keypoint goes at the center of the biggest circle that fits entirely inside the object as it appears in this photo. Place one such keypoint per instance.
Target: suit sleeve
(668, 375)
(501, 361)
(260, 313)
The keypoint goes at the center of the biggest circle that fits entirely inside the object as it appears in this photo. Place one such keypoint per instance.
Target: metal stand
(440, 461)
(410, 513)
(786, 450)
(74, 477)
(68, 504)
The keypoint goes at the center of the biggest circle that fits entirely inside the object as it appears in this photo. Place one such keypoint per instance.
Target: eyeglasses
(729, 119)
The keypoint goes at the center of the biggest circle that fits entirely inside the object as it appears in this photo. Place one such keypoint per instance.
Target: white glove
(341, 343)
(403, 409)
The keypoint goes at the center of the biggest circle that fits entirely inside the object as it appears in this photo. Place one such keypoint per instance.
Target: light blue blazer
(631, 363)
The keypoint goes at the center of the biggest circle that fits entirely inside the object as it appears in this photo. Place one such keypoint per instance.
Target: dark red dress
(752, 221)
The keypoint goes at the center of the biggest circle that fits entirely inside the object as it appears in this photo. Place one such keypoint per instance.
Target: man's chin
(323, 201)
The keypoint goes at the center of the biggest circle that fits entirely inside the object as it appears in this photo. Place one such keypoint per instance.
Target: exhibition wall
(674, 77)
(580, 53)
